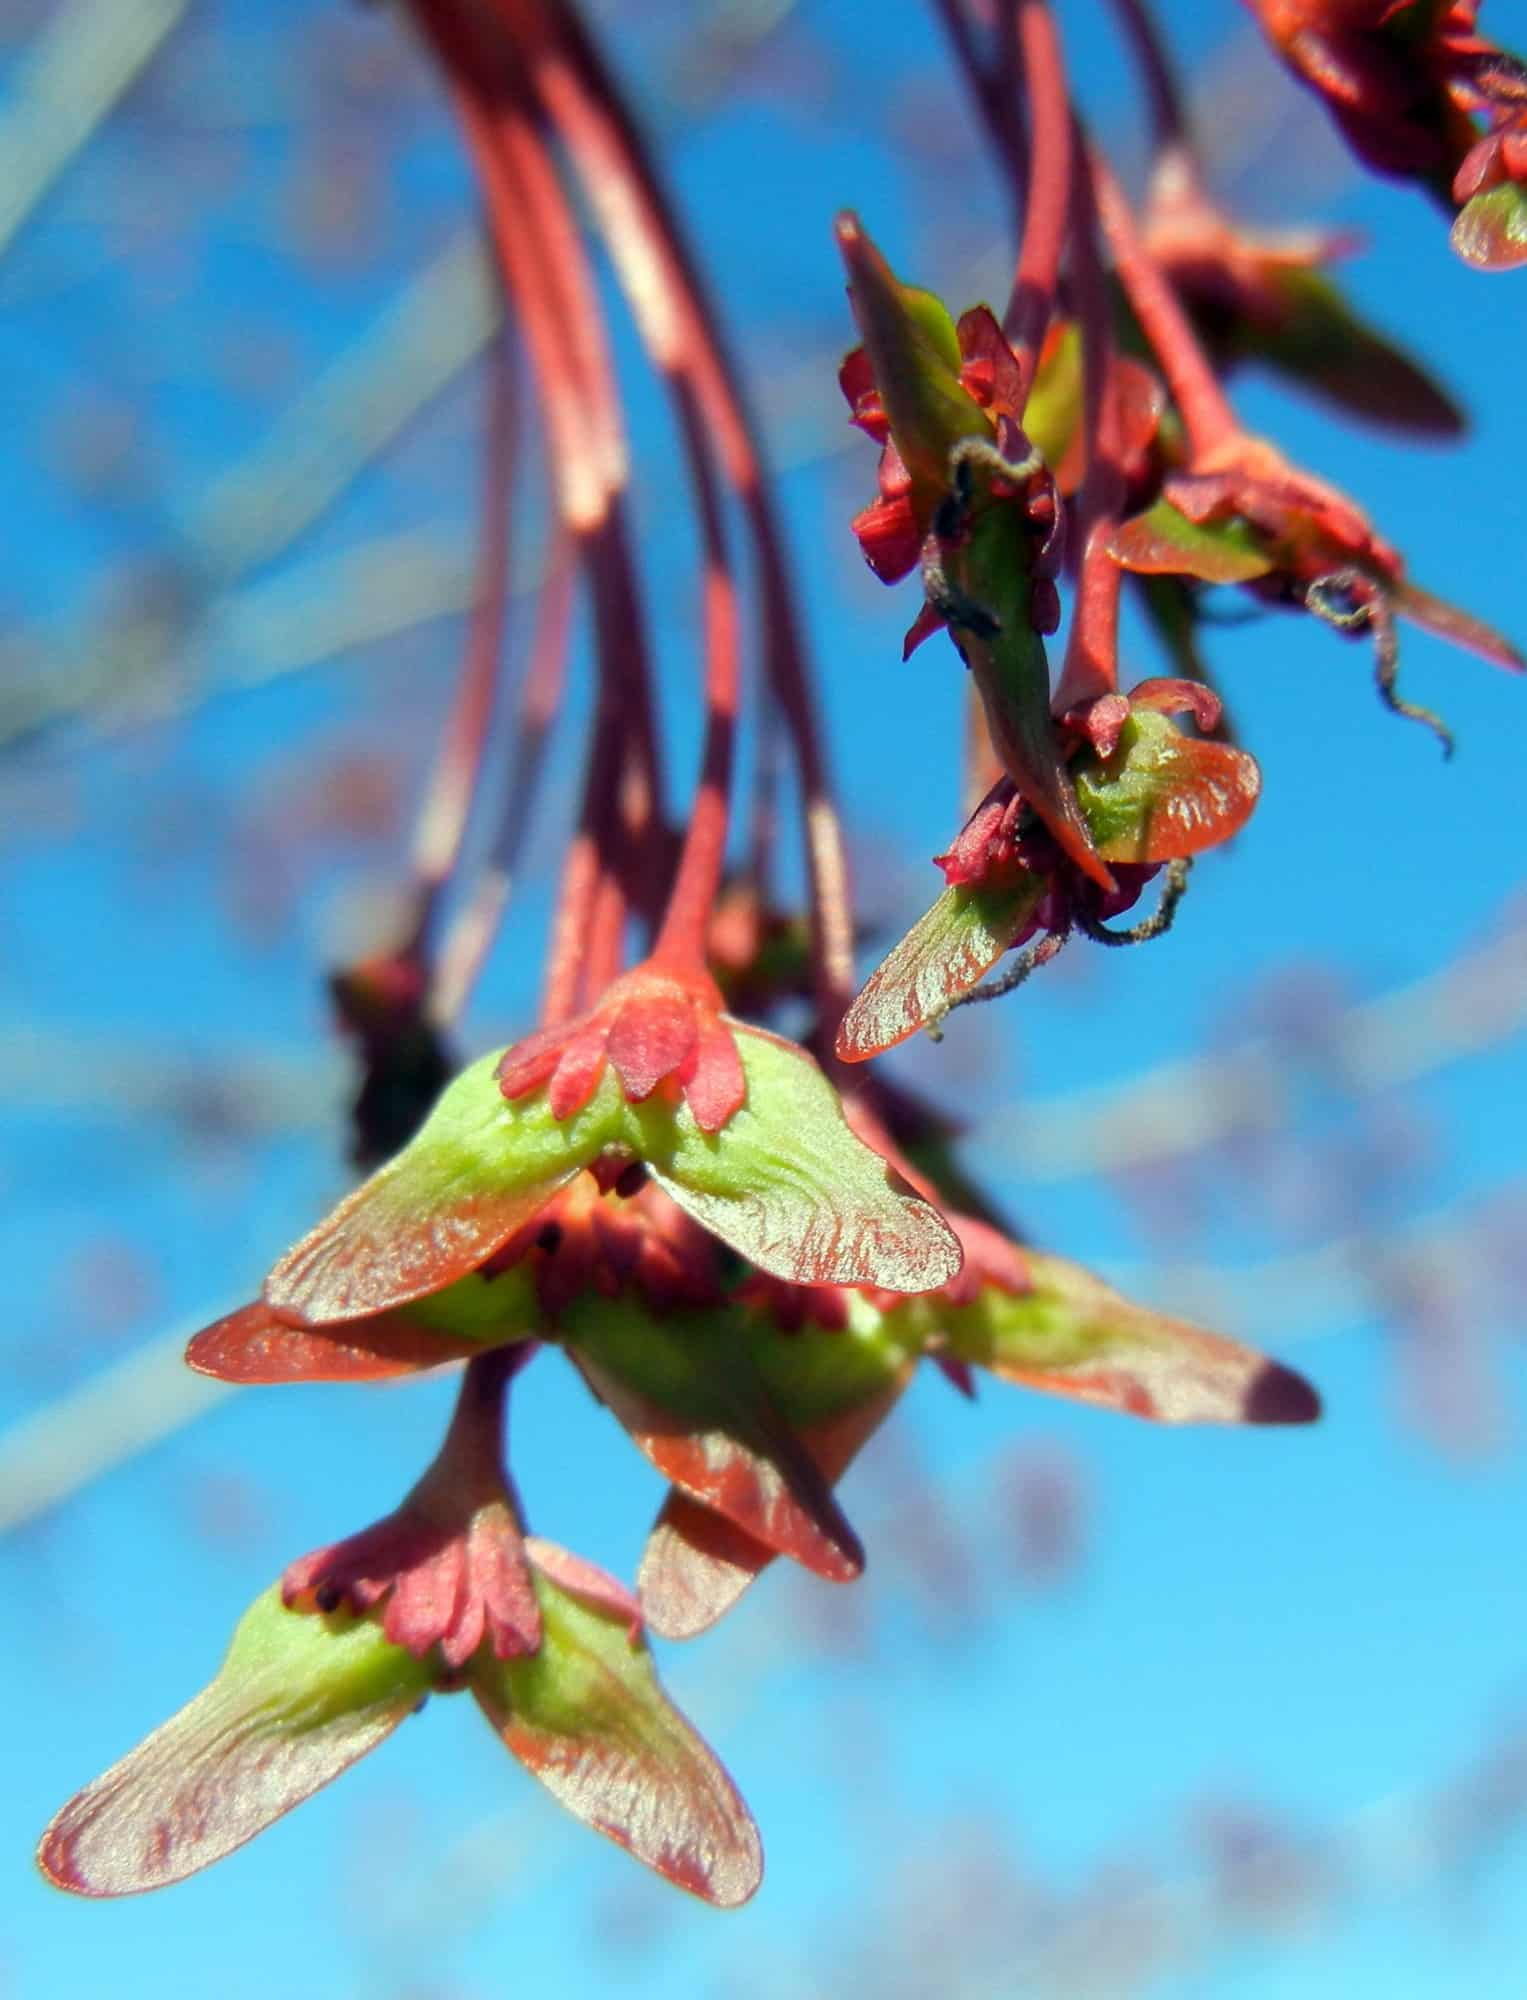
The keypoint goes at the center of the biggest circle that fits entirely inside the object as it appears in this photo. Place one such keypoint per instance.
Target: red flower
(451, 1585)
(1149, 793)
(444, 1596)
(1500, 156)
(1001, 844)
(891, 530)
(1384, 84)
(448, 1566)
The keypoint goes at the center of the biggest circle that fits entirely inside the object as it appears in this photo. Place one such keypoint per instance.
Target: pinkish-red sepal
(652, 1026)
(446, 1586)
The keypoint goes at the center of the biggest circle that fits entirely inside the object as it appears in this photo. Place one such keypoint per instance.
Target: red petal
(579, 1068)
(364, 1566)
(528, 1063)
(500, 1579)
(975, 848)
(856, 379)
(1179, 697)
(890, 536)
(928, 621)
(1100, 721)
(431, 1604)
(714, 1084)
(1479, 167)
(651, 1036)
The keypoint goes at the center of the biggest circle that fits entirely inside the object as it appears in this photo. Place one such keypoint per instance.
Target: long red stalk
(583, 871)
(1047, 94)
(540, 247)
(1091, 666)
(466, 944)
(1206, 414)
(697, 879)
(555, 312)
(454, 783)
(683, 336)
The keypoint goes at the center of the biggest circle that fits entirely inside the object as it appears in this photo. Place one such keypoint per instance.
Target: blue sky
(1324, 1627)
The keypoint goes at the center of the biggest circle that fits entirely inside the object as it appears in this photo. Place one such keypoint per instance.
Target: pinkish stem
(541, 251)
(1206, 414)
(466, 944)
(683, 336)
(686, 922)
(443, 820)
(1048, 98)
(1091, 665)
